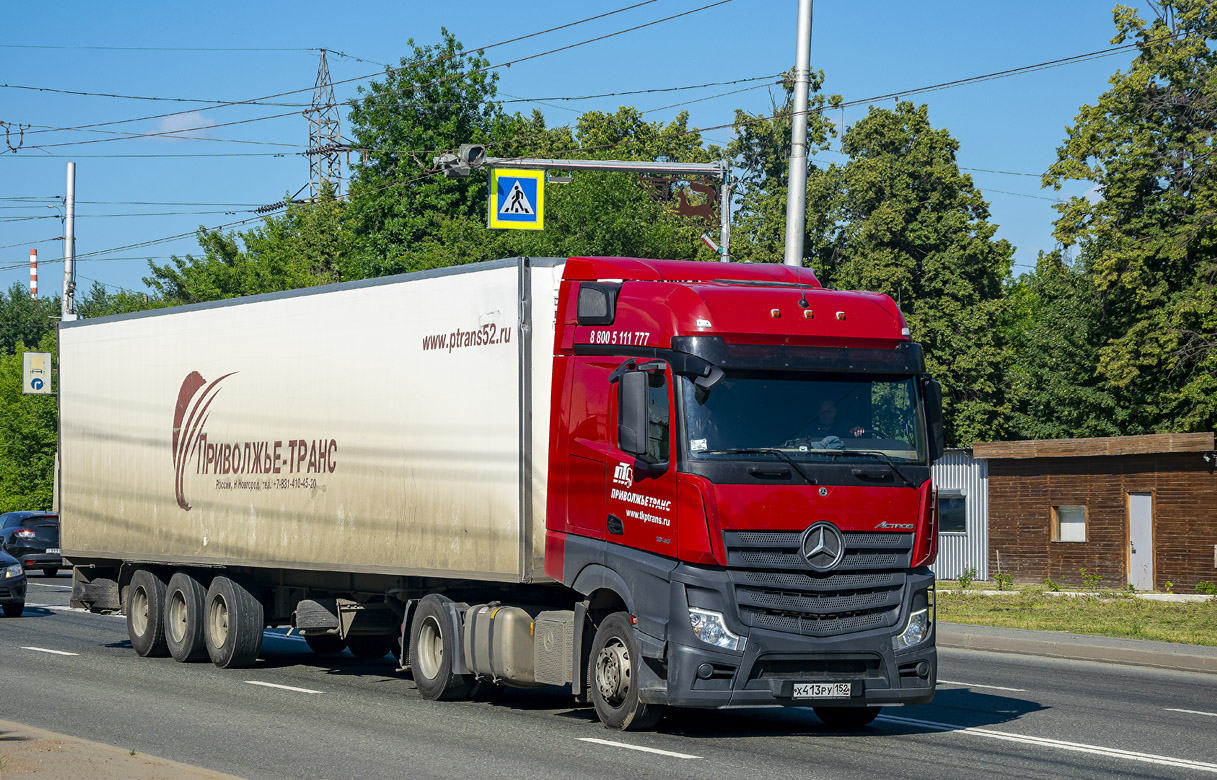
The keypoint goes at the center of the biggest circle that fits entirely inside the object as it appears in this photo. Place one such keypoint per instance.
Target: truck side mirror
(933, 419)
(632, 413)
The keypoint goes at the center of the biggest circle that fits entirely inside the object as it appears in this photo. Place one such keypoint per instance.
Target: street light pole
(796, 194)
(69, 248)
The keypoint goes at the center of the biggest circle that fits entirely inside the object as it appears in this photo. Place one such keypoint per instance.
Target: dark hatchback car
(12, 586)
(33, 539)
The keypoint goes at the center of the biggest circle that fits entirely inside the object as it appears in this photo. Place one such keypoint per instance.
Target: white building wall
(958, 471)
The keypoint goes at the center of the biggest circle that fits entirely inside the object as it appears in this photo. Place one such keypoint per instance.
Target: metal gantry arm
(473, 156)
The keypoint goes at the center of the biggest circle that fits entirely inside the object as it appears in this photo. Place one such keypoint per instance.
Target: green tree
(1147, 240)
(28, 435)
(761, 152)
(25, 320)
(305, 246)
(1054, 326)
(905, 221)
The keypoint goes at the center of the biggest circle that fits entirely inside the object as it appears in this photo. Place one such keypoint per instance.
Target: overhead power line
(394, 70)
(144, 97)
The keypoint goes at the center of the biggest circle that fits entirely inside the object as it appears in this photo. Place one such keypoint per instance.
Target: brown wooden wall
(1023, 491)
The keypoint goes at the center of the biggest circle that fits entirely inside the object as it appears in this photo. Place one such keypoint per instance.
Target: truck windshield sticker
(620, 338)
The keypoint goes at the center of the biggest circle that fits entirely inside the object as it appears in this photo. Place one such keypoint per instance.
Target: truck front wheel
(145, 614)
(184, 601)
(432, 648)
(232, 624)
(615, 658)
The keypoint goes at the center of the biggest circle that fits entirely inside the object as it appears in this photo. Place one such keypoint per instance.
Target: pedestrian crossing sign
(517, 200)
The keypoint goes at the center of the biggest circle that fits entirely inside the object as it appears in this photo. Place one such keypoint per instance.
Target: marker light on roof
(775, 313)
(904, 332)
(840, 315)
(807, 315)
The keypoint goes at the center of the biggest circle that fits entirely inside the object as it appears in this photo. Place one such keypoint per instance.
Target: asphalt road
(995, 716)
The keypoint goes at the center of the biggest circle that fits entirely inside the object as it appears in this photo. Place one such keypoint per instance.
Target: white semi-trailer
(502, 473)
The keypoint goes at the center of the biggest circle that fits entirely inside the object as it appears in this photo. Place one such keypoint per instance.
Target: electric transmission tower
(324, 135)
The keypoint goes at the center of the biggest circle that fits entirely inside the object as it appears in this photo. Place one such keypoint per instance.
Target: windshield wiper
(881, 456)
(764, 451)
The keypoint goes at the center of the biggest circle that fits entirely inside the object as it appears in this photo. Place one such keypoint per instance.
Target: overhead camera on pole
(459, 165)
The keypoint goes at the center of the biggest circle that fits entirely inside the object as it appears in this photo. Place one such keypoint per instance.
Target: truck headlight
(711, 628)
(12, 571)
(916, 631)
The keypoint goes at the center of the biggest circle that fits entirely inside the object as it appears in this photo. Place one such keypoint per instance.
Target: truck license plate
(821, 690)
(52, 551)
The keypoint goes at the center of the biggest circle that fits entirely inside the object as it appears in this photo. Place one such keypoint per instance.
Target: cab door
(641, 489)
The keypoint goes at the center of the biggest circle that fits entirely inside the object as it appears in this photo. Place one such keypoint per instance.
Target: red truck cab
(740, 459)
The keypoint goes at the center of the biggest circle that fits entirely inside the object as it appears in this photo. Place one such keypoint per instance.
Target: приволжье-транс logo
(239, 465)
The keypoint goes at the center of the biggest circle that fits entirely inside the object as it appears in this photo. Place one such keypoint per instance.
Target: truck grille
(775, 589)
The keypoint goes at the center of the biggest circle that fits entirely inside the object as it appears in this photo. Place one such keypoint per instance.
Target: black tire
(145, 610)
(325, 644)
(614, 659)
(846, 717)
(14, 610)
(184, 600)
(370, 646)
(232, 624)
(50, 572)
(432, 648)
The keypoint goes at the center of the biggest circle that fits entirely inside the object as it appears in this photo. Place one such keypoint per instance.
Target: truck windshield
(805, 416)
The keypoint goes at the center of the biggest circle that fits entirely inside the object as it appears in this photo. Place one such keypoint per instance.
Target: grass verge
(1100, 614)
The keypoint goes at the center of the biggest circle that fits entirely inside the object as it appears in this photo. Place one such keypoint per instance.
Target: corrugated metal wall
(958, 471)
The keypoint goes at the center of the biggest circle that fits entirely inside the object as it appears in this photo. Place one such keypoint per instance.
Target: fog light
(711, 628)
(916, 631)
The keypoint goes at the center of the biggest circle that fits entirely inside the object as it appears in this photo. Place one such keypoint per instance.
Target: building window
(1068, 523)
(952, 513)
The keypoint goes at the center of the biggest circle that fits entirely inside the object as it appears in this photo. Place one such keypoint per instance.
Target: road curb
(1079, 647)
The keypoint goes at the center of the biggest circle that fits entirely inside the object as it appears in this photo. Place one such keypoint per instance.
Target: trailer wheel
(432, 648)
(145, 614)
(370, 646)
(846, 717)
(615, 658)
(325, 644)
(184, 600)
(232, 624)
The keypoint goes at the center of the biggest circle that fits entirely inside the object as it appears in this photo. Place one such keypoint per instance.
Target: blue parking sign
(517, 200)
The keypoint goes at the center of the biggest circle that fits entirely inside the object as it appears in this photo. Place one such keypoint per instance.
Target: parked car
(12, 586)
(33, 539)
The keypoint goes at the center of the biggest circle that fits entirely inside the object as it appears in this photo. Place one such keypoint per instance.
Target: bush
(967, 577)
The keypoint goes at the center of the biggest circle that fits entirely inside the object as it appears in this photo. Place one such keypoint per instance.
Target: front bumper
(765, 672)
(12, 591)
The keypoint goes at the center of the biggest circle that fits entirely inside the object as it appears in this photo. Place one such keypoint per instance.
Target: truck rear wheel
(615, 658)
(846, 717)
(232, 624)
(145, 614)
(432, 648)
(184, 601)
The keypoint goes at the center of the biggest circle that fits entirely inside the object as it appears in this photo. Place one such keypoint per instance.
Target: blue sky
(199, 51)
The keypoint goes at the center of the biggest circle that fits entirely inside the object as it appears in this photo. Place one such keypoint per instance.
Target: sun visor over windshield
(904, 358)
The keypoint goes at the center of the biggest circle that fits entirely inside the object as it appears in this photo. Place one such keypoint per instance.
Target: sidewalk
(30, 752)
(1080, 647)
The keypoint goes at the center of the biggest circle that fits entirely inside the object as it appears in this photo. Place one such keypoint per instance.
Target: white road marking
(49, 585)
(1193, 712)
(283, 687)
(1059, 744)
(60, 608)
(978, 685)
(636, 747)
(45, 650)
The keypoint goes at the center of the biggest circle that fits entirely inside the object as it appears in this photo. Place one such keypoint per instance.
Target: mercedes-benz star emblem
(823, 546)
